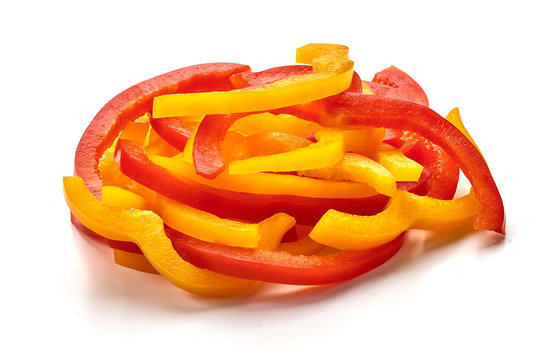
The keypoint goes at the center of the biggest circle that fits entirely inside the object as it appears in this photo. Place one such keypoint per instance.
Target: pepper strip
(405, 211)
(203, 225)
(368, 110)
(135, 164)
(135, 102)
(335, 76)
(327, 151)
(146, 230)
(280, 266)
(268, 183)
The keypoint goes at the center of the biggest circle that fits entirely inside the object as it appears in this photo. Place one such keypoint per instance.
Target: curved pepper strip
(280, 266)
(135, 102)
(335, 76)
(269, 183)
(358, 168)
(135, 164)
(354, 109)
(146, 230)
(327, 151)
(203, 225)
(405, 211)
(401, 86)
(402, 167)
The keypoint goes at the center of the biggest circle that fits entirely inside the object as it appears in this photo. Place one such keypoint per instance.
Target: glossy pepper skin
(281, 266)
(354, 109)
(135, 102)
(134, 163)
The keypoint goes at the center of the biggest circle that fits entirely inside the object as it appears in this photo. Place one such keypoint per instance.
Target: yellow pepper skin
(133, 261)
(205, 226)
(332, 75)
(403, 168)
(404, 211)
(268, 183)
(268, 122)
(354, 232)
(327, 151)
(358, 168)
(443, 215)
(145, 229)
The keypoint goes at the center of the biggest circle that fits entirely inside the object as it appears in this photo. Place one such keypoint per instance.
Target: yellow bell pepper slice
(327, 151)
(441, 215)
(402, 167)
(358, 168)
(454, 118)
(404, 211)
(268, 122)
(133, 261)
(208, 227)
(354, 232)
(145, 229)
(332, 74)
(268, 183)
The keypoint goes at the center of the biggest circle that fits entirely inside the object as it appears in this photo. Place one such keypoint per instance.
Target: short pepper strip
(146, 229)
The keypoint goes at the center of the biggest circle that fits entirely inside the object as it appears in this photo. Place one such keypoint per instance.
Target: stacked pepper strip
(326, 103)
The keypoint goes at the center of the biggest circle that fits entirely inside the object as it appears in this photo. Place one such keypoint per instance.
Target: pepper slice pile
(220, 178)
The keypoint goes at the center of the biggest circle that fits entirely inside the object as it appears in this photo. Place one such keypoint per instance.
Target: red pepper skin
(399, 85)
(280, 266)
(207, 156)
(268, 76)
(440, 175)
(135, 102)
(369, 110)
(172, 130)
(134, 163)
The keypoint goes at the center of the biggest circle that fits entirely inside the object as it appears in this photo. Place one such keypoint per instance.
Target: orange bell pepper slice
(333, 74)
(145, 229)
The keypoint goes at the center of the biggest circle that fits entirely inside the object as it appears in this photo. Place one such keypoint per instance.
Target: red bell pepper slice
(134, 163)
(395, 83)
(135, 102)
(268, 76)
(173, 130)
(440, 175)
(353, 109)
(280, 266)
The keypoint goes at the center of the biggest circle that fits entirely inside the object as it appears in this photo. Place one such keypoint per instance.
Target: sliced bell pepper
(360, 169)
(401, 86)
(334, 76)
(404, 211)
(327, 151)
(135, 102)
(281, 266)
(203, 225)
(146, 230)
(134, 163)
(268, 183)
(351, 109)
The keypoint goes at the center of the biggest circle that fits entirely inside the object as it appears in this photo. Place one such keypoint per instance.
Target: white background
(458, 297)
